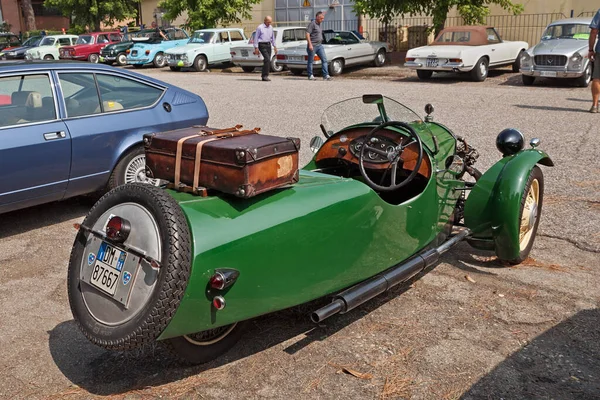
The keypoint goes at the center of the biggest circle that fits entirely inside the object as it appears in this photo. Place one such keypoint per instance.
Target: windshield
(47, 41)
(355, 111)
(567, 31)
(202, 37)
(33, 41)
(85, 39)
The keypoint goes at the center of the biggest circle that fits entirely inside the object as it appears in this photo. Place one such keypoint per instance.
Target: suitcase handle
(234, 131)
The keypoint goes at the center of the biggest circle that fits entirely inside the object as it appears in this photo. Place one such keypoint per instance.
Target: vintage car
(242, 54)
(48, 47)
(117, 52)
(562, 53)
(472, 49)
(144, 52)
(342, 48)
(8, 40)
(74, 128)
(17, 53)
(206, 46)
(383, 198)
(88, 46)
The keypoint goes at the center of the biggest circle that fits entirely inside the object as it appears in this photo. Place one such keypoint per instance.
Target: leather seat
(26, 98)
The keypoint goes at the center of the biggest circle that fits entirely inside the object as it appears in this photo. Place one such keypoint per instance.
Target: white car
(473, 49)
(205, 47)
(48, 47)
(242, 54)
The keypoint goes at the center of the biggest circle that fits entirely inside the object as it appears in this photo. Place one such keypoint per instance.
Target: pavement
(523, 332)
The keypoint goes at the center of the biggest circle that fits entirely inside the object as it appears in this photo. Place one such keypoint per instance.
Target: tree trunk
(28, 15)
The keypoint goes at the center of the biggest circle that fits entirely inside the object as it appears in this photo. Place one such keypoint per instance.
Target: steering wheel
(392, 154)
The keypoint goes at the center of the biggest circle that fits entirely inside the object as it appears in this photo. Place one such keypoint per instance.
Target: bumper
(447, 67)
(296, 65)
(551, 73)
(179, 63)
(241, 62)
(81, 58)
(108, 58)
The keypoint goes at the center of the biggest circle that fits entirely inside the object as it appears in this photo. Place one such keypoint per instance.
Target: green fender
(492, 210)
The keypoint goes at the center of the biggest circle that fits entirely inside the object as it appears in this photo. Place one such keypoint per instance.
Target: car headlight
(526, 60)
(184, 57)
(575, 62)
(10, 53)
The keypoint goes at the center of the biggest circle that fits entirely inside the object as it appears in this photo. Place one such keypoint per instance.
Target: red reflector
(219, 302)
(280, 57)
(217, 281)
(147, 52)
(117, 229)
(127, 51)
(408, 59)
(233, 53)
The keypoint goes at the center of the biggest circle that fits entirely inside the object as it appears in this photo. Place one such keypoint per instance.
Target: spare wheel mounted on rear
(145, 297)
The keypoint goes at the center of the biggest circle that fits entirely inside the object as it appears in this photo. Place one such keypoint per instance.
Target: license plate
(107, 268)
(295, 58)
(550, 74)
(431, 62)
(244, 53)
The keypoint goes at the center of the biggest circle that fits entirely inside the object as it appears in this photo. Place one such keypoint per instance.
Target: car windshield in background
(454, 37)
(202, 37)
(85, 39)
(567, 31)
(33, 41)
(333, 37)
(47, 41)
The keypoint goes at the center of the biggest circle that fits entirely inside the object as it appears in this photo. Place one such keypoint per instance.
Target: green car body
(117, 52)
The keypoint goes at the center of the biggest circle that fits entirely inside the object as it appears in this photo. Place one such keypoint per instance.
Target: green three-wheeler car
(384, 196)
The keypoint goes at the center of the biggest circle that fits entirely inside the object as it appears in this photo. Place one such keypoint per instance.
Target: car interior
(335, 37)
(27, 106)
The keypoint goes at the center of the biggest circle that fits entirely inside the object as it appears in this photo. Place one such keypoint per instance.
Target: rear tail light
(147, 52)
(219, 302)
(118, 229)
(280, 57)
(315, 58)
(409, 59)
(455, 60)
(223, 278)
(127, 51)
(232, 53)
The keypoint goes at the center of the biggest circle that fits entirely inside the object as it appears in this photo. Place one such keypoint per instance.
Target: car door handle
(493, 49)
(55, 135)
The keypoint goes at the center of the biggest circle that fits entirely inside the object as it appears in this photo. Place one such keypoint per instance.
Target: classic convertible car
(145, 52)
(472, 49)
(562, 53)
(342, 48)
(382, 199)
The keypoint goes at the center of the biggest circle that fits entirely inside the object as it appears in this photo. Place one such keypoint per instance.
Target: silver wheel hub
(483, 69)
(136, 171)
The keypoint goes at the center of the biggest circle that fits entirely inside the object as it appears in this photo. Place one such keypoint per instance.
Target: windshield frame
(197, 34)
(550, 33)
(47, 38)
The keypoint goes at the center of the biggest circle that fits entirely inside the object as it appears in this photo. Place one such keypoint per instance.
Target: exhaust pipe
(366, 290)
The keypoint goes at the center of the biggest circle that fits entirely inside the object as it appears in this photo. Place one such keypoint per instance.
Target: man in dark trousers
(263, 40)
(593, 54)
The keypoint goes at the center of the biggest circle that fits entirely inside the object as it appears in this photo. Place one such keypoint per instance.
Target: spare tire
(136, 302)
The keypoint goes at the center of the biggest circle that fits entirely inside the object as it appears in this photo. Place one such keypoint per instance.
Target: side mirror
(316, 143)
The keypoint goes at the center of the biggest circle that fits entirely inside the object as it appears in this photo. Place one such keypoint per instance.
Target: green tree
(92, 12)
(472, 11)
(28, 14)
(208, 13)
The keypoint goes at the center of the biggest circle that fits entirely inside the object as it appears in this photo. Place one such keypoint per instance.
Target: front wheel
(202, 347)
(122, 59)
(380, 58)
(159, 60)
(48, 57)
(93, 58)
(337, 66)
(585, 79)
(480, 72)
(200, 63)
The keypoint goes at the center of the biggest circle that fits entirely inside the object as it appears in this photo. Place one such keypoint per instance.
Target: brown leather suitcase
(235, 161)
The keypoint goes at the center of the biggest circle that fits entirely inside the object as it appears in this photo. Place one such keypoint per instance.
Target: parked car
(242, 54)
(17, 53)
(561, 53)
(117, 52)
(85, 137)
(206, 46)
(8, 40)
(342, 48)
(153, 52)
(385, 194)
(88, 46)
(472, 49)
(48, 47)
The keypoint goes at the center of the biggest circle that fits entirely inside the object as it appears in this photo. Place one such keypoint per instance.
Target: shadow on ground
(562, 363)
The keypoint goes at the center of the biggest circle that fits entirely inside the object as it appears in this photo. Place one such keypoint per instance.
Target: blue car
(68, 129)
(151, 51)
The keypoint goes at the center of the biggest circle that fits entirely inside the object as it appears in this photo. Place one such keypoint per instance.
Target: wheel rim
(94, 58)
(381, 58)
(143, 278)
(275, 67)
(483, 69)
(588, 74)
(530, 214)
(337, 67)
(136, 171)
(211, 336)
(201, 64)
(160, 60)
(122, 59)
(48, 57)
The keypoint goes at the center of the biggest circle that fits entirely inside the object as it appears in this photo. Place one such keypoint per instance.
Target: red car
(88, 46)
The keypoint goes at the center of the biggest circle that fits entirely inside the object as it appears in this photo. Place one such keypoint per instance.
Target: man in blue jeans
(314, 38)
(594, 55)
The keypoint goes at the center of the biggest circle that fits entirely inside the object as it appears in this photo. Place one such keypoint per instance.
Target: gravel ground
(470, 328)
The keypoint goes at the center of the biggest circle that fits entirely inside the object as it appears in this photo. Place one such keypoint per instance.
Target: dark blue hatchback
(68, 129)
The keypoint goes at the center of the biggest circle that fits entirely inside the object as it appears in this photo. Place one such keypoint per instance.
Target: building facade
(48, 19)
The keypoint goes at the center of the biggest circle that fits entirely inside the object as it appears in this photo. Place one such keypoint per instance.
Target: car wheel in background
(93, 58)
(248, 69)
(516, 67)
(585, 79)
(337, 66)
(380, 58)
(274, 66)
(200, 63)
(424, 74)
(121, 59)
(296, 71)
(480, 72)
(159, 60)
(130, 168)
(528, 80)
(48, 57)
(175, 68)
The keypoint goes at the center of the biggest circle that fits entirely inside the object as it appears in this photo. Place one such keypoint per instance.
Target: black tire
(534, 176)
(585, 79)
(516, 66)
(480, 72)
(296, 71)
(184, 348)
(153, 316)
(94, 58)
(160, 60)
(175, 68)
(121, 59)
(274, 66)
(118, 176)
(48, 57)
(380, 58)
(528, 80)
(200, 63)
(424, 74)
(337, 67)
(248, 69)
